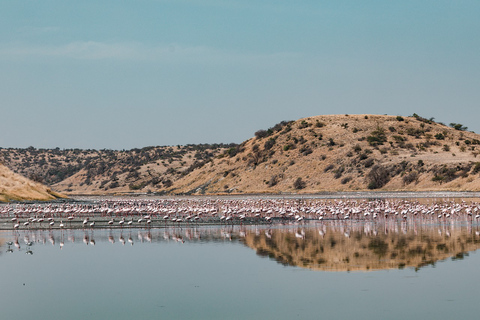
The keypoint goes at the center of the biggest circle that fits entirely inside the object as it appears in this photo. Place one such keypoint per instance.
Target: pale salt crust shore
(157, 212)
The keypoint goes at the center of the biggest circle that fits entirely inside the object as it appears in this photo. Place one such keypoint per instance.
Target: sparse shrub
(304, 124)
(439, 136)
(299, 184)
(429, 121)
(410, 146)
(261, 134)
(458, 126)
(415, 132)
(339, 172)
(446, 148)
(132, 186)
(346, 180)
(273, 181)
(399, 118)
(476, 168)
(438, 178)
(377, 137)
(269, 143)
(167, 183)
(369, 162)
(410, 177)
(232, 152)
(328, 168)
(305, 150)
(377, 177)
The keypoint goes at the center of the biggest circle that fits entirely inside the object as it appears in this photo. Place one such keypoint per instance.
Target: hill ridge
(325, 153)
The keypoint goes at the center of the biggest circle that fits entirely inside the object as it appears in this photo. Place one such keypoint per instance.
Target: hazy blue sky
(124, 74)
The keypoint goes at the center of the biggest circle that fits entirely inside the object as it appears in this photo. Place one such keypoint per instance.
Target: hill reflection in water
(325, 246)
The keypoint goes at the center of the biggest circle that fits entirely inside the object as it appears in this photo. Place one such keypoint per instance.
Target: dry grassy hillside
(77, 171)
(16, 187)
(344, 153)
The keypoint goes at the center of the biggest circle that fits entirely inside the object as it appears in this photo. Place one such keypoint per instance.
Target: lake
(330, 270)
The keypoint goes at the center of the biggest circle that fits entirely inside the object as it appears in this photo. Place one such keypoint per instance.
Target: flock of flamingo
(162, 212)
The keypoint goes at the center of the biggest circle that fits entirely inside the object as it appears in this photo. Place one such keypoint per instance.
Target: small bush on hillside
(458, 126)
(377, 177)
(328, 168)
(346, 180)
(339, 172)
(369, 162)
(299, 184)
(304, 124)
(410, 177)
(261, 134)
(476, 168)
(377, 137)
(269, 143)
(439, 136)
(273, 181)
(305, 150)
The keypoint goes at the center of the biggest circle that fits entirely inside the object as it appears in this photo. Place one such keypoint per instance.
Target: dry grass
(16, 187)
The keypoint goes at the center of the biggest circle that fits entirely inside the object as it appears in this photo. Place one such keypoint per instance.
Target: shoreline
(79, 198)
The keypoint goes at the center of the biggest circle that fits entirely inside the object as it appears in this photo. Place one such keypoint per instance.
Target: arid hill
(15, 187)
(76, 171)
(344, 153)
(316, 154)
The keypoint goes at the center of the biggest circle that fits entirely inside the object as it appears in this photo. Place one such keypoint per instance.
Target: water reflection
(326, 246)
(363, 247)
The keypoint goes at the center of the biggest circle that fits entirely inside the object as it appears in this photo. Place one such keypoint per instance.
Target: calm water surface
(330, 271)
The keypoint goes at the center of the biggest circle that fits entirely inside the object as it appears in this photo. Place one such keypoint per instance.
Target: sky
(120, 74)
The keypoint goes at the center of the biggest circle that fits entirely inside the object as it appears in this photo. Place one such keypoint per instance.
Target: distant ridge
(326, 153)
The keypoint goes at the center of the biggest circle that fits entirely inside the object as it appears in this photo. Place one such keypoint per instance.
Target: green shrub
(377, 137)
